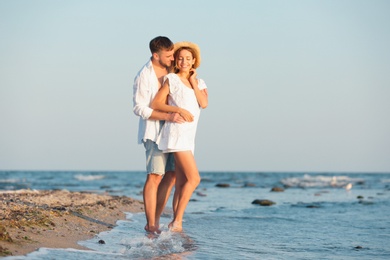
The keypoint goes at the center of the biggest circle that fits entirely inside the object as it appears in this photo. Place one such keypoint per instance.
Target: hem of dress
(175, 150)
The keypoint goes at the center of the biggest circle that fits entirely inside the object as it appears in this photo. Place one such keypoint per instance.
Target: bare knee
(153, 180)
(194, 181)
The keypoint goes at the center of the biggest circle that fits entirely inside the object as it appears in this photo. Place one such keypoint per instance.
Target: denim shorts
(157, 162)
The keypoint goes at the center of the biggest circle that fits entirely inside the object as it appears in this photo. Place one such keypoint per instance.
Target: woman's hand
(188, 117)
(176, 118)
(193, 74)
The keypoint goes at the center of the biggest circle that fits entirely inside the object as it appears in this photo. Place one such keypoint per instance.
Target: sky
(294, 86)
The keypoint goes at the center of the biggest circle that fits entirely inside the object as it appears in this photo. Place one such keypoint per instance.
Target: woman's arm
(159, 103)
(201, 95)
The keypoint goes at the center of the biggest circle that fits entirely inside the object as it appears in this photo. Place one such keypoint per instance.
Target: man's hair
(160, 43)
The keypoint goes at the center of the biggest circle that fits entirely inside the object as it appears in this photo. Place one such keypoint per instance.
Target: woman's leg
(189, 180)
(180, 180)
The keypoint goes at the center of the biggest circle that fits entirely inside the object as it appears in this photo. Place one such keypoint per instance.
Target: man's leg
(164, 191)
(155, 166)
(150, 201)
(166, 185)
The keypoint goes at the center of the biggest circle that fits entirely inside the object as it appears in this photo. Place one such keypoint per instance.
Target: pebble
(223, 185)
(201, 194)
(277, 189)
(263, 202)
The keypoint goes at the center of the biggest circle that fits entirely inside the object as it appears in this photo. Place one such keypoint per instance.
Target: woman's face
(185, 60)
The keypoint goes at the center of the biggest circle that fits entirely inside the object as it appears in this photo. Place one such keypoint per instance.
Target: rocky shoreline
(32, 219)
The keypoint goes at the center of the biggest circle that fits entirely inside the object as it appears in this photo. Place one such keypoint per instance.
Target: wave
(9, 181)
(128, 239)
(308, 181)
(82, 177)
(19, 191)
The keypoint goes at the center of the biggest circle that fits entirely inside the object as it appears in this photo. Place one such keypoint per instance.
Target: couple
(168, 98)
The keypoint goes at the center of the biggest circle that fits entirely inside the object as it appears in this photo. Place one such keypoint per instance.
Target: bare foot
(152, 229)
(175, 226)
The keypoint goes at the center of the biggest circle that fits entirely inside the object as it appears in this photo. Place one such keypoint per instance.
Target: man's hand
(176, 118)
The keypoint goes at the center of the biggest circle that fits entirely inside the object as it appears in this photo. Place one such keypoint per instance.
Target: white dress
(176, 137)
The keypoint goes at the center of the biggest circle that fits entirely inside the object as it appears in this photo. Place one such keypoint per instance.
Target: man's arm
(159, 103)
(171, 117)
(141, 102)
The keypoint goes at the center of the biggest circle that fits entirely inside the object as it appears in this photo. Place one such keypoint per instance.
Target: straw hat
(194, 47)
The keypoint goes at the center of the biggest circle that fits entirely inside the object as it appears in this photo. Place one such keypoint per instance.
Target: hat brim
(194, 47)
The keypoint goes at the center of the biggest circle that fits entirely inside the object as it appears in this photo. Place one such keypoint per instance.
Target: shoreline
(31, 219)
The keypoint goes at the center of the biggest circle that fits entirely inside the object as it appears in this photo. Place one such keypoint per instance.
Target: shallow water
(316, 217)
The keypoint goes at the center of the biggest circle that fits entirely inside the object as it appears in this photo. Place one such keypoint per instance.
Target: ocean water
(318, 216)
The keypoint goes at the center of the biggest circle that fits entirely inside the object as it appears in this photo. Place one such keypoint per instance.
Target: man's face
(166, 58)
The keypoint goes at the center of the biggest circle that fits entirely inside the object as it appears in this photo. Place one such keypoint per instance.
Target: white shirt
(145, 89)
(176, 137)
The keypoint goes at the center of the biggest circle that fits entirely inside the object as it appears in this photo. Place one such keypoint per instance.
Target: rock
(277, 189)
(102, 242)
(312, 206)
(201, 194)
(263, 202)
(365, 202)
(223, 185)
(59, 208)
(4, 235)
(4, 252)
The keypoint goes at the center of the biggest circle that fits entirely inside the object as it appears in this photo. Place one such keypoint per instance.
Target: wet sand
(57, 219)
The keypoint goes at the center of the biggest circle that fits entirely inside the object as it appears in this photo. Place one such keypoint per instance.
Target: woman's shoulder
(201, 84)
(171, 75)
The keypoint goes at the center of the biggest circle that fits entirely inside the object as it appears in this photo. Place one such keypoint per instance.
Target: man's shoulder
(145, 70)
(148, 67)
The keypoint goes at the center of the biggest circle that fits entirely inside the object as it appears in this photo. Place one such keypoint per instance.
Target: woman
(186, 95)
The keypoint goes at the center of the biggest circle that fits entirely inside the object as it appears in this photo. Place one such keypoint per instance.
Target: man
(159, 166)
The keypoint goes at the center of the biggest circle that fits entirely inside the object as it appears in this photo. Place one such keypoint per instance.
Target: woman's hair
(160, 43)
(177, 52)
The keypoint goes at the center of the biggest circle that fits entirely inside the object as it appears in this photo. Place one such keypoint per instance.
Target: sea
(312, 216)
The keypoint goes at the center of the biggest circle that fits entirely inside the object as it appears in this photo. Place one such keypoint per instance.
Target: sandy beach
(57, 219)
